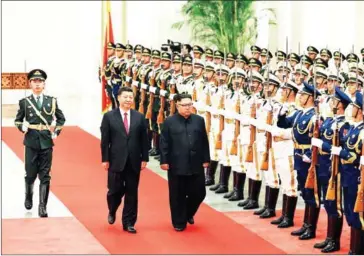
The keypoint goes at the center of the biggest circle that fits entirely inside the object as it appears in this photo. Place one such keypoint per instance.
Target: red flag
(109, 37)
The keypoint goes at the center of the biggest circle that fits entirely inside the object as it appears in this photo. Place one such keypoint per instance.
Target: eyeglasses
(186, 105)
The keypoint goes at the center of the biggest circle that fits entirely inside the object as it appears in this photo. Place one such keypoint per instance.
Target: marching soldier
(283, 156)
(303, 126)
(34, 117)
(327, 132)
(349, 153)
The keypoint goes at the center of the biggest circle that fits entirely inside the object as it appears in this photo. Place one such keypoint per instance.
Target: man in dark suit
(184, 154)
(35, 115)
(124, 149)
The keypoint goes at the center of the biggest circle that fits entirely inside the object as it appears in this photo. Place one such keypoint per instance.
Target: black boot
(240, 181)
(355, 241)
(261, 210)
(210, 173)
(289, 212)
(246, 201)
(304, 226)
(215, 187)
(224, 185)
(310, 232)
(329, 234)
(272, 203)
(230, 194)
(284, 206)
(253, 203)
(150, 139)
(43, 200)
(155, 144)
(28, 196)
(334, 229)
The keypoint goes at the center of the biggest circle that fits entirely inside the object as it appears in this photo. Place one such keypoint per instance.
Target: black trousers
(120, 184)
(186, 193)
(38, 162)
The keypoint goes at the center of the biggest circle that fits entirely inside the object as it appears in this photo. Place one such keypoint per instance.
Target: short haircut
(180, 97)
(124, 89)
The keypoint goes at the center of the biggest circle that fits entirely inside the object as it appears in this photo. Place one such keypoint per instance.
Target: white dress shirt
(40, 99)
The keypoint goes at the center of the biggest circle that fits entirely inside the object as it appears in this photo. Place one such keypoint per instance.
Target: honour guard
(209, 55)
(326, 55)
(218, 57)
(303, 125)
(293, 59)
(312, 52)
(197, 52)
(281, 56)
(349, 154)
(332, 128)
(108, 72)
(34, 118)
(255, 51)
(301, 75)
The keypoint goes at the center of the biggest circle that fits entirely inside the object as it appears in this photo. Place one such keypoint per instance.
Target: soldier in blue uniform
(303, 125)
(334, 213)
(349, 154)
(118, 72)
(34, 117)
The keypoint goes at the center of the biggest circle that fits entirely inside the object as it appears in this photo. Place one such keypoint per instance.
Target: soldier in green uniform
(312, 52)
(255, 51)
(264, 59)
(326, 54)
(197, 52)
(209, 55)
(281, 56)
(108, 72)
(218, 57)
(34, 117)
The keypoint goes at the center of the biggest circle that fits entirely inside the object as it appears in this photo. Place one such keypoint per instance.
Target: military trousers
(38, 162)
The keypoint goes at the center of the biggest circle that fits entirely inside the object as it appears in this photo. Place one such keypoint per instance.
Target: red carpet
(79, 181)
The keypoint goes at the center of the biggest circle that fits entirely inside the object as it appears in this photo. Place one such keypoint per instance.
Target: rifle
(359, 202)
(208, 114)
(160, 118)
(264, 165)
(252, 128)
(218, 144)
(234, 146)
(148, 115)
(143, 93)
(135, 89)
(311, 177)
(331, 190)
(194, 98)
(172, 102)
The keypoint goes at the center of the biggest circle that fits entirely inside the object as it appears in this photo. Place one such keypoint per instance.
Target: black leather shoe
(191, 221)
(300, 231)
(111, 218)
(179, 229)
(130, 229)
(286, 223)
(209, 181)
(230, 194)
(322, 244)
(222, 189)
(28, 196)
(332, 246)
(260, 211)
(268, 213)
(309, 234)
(251, 205)
(277, 221)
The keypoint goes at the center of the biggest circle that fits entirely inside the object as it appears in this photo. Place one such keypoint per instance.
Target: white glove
(172, 81)
(54, 136)
(253, 121)
(127, 78)
(267, 107)
(152, 89)
(268, 128)
(144, 86)
(171, 96)
(24, 127)
(335, 150)
(283, 110)
(362, 160)
(135, 83)
(261, 125)
(276, 131)
(306, 159)
(316, 142)
(163, 93)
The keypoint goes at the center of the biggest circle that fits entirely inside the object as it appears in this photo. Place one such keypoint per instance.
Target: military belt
(201, 112)
(39, 127)
(302, 146)
(215, 116)
(260, 131)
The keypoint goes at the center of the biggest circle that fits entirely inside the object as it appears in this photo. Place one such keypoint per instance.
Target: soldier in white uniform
(198, 83)
(253, 172)
(266, 164)
(238, 77)
(217, 117)
(185, 82)
(283, 155)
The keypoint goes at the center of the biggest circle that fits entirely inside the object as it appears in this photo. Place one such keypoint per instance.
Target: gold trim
(302, 146)
(39, 127)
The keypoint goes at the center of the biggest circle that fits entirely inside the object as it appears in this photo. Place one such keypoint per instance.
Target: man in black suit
(184, 154)
(124, 149)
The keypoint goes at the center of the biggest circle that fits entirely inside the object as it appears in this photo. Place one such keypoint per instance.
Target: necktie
(38, 102)
(126, 123)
